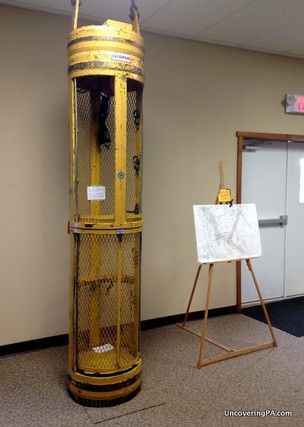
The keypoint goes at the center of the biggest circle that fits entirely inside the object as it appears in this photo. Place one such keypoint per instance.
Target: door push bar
(275, 221)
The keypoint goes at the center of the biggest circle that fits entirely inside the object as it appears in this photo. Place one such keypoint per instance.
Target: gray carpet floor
(264, 384)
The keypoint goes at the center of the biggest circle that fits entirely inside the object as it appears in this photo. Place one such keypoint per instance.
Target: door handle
(282, 220)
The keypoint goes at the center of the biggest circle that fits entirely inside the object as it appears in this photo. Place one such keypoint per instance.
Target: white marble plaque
(225, 233)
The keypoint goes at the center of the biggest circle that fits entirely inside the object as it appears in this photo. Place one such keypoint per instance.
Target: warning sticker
(96, 192)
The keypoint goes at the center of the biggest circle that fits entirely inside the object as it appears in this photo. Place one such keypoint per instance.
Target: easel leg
(192, 293)
(203, 337)
(262, 302)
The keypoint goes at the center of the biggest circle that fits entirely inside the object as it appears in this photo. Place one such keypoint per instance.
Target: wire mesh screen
(107, 160)
(95, 110)
(89, 121)
(84, 132)
(107, 294)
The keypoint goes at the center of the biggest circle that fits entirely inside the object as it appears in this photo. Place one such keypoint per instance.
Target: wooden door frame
(252, 135)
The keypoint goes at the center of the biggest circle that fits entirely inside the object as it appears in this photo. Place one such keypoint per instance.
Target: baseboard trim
(178, 318)
(62, 340)
(34, 345)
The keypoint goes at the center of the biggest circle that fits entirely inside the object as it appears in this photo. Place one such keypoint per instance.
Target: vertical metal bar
(119, 297)
(73, 245)
(73, 301)
(134, 16)
(120, 88)
(120, 148)
(95, 240)
(75, 288)
(73, 148)
(75, 13)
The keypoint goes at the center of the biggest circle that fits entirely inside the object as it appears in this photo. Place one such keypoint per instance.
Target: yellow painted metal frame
(112, 49)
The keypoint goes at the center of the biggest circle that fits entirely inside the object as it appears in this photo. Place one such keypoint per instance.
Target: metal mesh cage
(107, 295)
(106, 80)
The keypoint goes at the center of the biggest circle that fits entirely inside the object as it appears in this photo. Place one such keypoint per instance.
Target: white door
(294, 253)
(271, 179)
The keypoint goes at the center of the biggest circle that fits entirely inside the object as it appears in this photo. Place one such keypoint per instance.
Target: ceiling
(271, 26)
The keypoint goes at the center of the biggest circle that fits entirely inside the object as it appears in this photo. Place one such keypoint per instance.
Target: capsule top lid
(118, 24)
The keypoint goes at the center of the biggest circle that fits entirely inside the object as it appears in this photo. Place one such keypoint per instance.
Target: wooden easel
(230, 352)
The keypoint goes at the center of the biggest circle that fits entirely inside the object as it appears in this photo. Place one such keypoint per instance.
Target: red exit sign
(294, 104)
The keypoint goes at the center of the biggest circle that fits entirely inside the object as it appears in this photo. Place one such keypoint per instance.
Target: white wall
(196, 97)
(34, 173)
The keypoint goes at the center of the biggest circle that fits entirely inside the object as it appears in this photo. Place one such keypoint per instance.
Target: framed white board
(225, 233)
